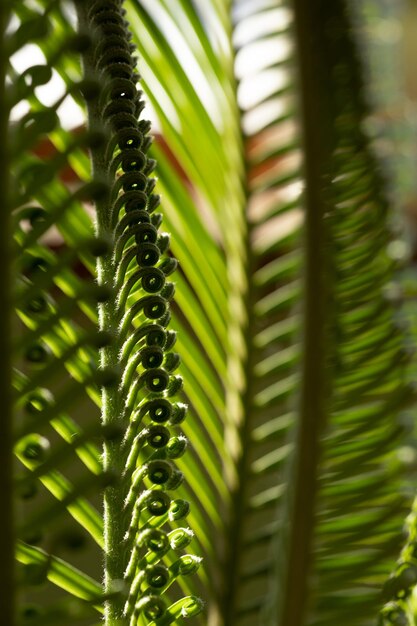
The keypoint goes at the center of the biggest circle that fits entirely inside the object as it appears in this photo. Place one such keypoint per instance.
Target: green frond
(202, 136)
(67, 327)
(138, 508)
(268, 300)
(284, 489)
(349, 498)
(55, 341)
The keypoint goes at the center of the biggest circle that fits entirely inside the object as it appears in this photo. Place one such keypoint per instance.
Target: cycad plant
(288, 507)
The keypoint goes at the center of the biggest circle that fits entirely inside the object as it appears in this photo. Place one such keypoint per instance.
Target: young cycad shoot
(247, 470)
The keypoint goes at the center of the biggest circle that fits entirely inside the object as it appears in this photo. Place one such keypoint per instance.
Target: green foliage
(290, 332)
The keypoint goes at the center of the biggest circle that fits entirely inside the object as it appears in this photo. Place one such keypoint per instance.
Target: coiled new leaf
(137, 316)
(55, 337)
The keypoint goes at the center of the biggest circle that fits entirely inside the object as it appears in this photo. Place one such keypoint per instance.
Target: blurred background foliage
(387, 31)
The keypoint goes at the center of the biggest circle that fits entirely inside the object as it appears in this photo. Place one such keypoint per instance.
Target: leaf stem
(239, 389)
(115, 557)
(239, 491)
(314, 109)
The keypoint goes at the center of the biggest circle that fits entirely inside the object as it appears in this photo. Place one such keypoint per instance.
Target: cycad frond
(290, 335)
(56, 337)
(276, 278)
(349, 500)
(133, 380)
(137, 509)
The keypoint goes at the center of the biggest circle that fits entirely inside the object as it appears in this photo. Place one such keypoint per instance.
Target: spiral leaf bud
(180, 538)
(153, 607)
(176, 447)
(154, 540)
(156, 576)
(34, 448)
(158, 436)
(179, 509)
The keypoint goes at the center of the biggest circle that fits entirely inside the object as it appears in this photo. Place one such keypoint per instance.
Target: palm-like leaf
(49, 299)
(294, 454)
(290, 346)
(54, 340)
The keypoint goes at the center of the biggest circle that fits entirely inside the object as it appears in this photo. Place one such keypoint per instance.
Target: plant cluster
(272, 488)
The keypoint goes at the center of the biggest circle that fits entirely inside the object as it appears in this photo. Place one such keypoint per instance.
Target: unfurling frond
(143, 560)
(107, 338)
(57, 431)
